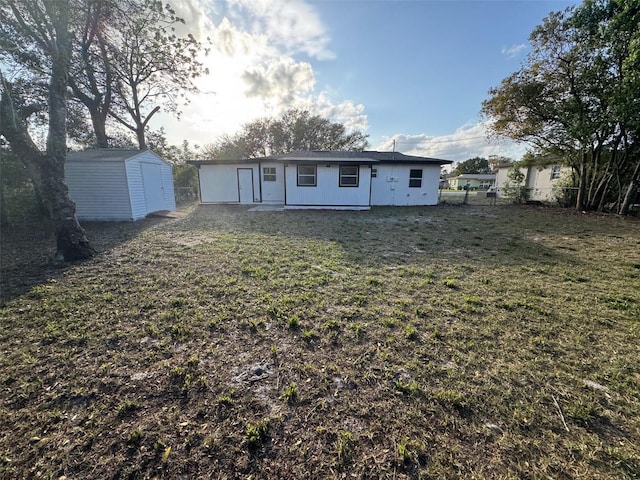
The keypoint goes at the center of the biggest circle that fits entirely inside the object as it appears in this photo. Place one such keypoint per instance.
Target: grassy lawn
(434, 343)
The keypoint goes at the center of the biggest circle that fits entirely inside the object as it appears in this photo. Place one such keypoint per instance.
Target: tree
(294, 130)
(91, 77)
(576, 98)
(515, 186)
(39, 29)
(151, 65)
(473, 165)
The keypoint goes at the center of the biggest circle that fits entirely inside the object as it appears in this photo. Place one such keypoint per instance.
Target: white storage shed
(116, 184)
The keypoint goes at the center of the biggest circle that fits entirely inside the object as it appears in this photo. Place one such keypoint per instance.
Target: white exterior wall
(327, 191)
(99, 190)
(542, 185)
(537, 179)
(273, 192)
(219, 183)
(136, 187)
(501, 179)
(391, 186)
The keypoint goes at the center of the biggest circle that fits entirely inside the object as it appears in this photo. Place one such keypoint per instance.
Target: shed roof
(337, 156)
(105, 154)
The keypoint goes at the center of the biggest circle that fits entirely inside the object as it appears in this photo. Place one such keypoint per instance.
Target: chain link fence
(472, 197)
(186, 195)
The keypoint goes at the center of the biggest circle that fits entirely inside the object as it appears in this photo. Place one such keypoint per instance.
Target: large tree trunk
(71, 240)
(4, 218)
(47, 169)
(47, 174)
(99, 121)
(582, 176)
(632, 189)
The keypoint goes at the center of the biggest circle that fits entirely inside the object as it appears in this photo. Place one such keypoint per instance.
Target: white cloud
(513, 51)
(279, 82)
(292, 25)
(351, 115)
(466, 142)
(253, 69)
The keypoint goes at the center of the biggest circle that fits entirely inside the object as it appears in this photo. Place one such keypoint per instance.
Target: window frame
(314, 175)
(342, 176)
(555, 172)
(271, 176)
(374, 172)
(413, 178)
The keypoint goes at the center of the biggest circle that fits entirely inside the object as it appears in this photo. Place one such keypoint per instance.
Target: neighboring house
(116, 184)
(472, 181)
(323, 179)
(540, 180)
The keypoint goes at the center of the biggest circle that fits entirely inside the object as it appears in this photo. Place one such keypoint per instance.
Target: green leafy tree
(38, 31)
(91, 77)
(294, 130)
(473, 165)
(151, 65)
(576, 98)
(515, 187)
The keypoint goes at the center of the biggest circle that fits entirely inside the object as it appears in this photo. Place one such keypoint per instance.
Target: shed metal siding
(99, 190)
(167, 186)
(136, 189)
(327, 191)
(136, 184)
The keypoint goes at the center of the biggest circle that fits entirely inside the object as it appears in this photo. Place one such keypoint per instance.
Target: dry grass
(440, 342)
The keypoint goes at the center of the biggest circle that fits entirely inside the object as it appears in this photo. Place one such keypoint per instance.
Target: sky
(409, 73)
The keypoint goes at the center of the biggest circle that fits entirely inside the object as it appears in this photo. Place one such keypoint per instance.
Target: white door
(152, 184)
(245, 185)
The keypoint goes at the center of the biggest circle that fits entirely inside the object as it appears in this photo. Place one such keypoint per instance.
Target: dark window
(306, 175)
(349, 176)
(415, 178)
(555, 172)
(374, 172)
(269, 174)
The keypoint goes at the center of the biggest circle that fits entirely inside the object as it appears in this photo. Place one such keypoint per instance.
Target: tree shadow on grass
(490, 237)
(28, 250)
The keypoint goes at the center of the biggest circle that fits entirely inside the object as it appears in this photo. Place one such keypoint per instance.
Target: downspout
(285, 182)
(260, 179)
(370, 182)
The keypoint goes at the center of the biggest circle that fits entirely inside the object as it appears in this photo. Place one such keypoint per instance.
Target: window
(306, 175)
(349, 176)
(555, 172)
(415, 178)
(269, 174)
(374, 172)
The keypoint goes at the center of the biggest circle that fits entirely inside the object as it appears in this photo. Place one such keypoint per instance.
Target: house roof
(475, 176)
(104, 154)
(335, 156)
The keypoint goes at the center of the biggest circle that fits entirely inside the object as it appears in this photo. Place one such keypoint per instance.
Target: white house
(472, 181)
(322, 179)
(541, 180)
(116, 184)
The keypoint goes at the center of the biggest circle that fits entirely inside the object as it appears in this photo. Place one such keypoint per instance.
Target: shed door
(245, 185)
(153, 189)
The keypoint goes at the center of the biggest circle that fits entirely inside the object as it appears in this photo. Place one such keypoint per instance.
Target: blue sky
(411, 71)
